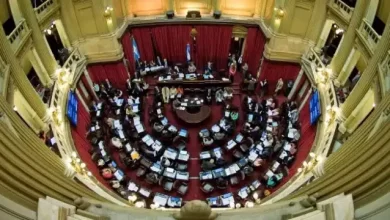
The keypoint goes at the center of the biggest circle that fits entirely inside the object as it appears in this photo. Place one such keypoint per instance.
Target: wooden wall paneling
(204, 6)
(85, 18)
(242, 7)
(301, 19)
(148, 7)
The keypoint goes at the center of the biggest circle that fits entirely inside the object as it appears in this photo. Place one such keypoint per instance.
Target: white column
(371, 11)
(324, 35)
(81, 99)
(345, 72)
(305, 99)
(15, 10)
(61, 31)
(90, 83)
(39, 68)
(296, 83)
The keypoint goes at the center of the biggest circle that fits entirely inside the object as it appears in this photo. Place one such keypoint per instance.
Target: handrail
(385, 71)
(343, 7)
(22, 26)
(369, 34)
(73, 58)
(43, 6)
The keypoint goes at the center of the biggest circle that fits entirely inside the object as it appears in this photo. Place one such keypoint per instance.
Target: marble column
(20, 78)
(285, 25)
(16, 14)
(368, 75)
(296, 83)
(69, 20)
(39, 41)
(39, 68)
(317, 21)
(345, 72)
(348, 41)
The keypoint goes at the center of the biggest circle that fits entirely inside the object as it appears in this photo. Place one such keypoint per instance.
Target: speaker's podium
(193, 15)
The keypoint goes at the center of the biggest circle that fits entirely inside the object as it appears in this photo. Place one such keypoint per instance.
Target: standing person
(263, 88)
(232, 70)
(279, 86)
(239, 62)
(244, 70)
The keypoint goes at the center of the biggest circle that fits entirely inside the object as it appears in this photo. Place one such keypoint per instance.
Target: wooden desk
(194, 83)
(194, 118)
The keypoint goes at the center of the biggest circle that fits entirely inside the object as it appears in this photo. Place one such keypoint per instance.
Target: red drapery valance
(171, 41)
(272, 71)
(143, 37)
(128, 52)
(114, 72)
(213, 44)
(254, 46)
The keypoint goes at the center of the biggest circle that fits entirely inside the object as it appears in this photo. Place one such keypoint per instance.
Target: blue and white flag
(188, 52)
(135, 50)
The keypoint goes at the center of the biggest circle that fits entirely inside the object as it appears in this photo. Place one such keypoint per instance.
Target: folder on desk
(121, 135)
(128, 147)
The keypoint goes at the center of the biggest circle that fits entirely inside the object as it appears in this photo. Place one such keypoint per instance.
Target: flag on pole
(188, 52)
(135, 50)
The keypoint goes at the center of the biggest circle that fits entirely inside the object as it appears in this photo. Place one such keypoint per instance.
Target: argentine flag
(188, 52)
(135, 50)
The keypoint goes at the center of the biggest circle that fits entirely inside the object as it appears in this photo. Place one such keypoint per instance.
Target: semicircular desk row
(123, 136)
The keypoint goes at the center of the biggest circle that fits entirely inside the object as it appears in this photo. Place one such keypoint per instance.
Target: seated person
(274, 180)
(158, 127)
(208, 165)
(110, 122)
(165, 162)
(219, 97)
(209, 69)
(116, 142)
(228, 93)
(107, 173)
(221, 183)
(207, 141)
(115, 184)
(219, 136)
(293, 135)
(191, 67)
(172, 93)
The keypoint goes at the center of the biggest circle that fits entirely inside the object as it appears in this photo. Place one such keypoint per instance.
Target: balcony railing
(44, 9)
(18, 35)
(369, 35)
(342, 8)
(384, 70)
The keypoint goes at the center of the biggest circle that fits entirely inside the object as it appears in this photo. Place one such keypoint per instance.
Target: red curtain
(128, 51)
(254, 46)
(81, 142)
(272, 71)
(114, 72)
(143, 37)
(213, 44)
(171, 41)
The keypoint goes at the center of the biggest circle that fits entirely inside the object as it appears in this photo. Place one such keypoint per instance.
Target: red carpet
(193, 146)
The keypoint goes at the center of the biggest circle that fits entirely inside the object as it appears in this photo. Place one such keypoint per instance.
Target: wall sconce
(308, 166)
(75, 163)
(279, 13)
(107, 12)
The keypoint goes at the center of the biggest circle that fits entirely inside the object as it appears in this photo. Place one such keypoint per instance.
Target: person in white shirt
(279, 86)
